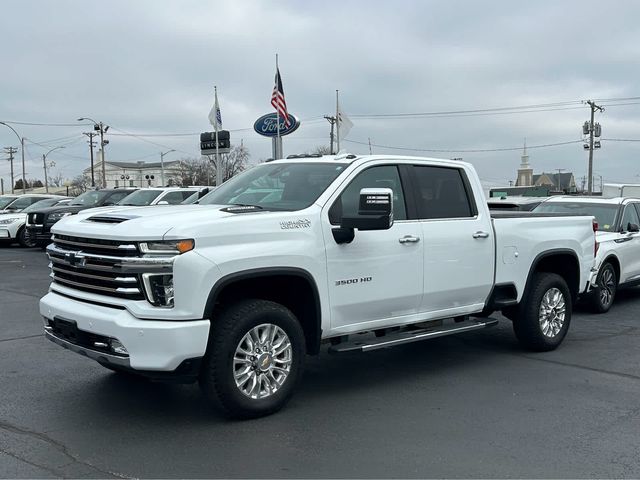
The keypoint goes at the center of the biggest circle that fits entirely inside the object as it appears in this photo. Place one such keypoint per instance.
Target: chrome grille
(104, 267)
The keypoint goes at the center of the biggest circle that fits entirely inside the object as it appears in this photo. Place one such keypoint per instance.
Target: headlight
(173, 247)
(8, 221)
(57, 216)
(159, 289)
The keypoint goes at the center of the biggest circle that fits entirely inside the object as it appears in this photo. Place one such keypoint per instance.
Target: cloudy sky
(147, 69)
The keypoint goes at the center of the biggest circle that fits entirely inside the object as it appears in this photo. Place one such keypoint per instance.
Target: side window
(173, 198)
(116, 197)
(441, 193)
(384, 176)
(630, 216)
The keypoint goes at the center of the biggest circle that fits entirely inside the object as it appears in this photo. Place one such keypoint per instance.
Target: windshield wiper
(258, 207)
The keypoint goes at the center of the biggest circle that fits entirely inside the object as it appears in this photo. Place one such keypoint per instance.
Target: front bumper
(39, 233)
(151, 345)
(4, 233)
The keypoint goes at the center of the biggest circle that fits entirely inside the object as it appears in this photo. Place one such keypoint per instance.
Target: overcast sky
(149, 67)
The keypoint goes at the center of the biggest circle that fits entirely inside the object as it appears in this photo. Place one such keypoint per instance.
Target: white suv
(618, 236)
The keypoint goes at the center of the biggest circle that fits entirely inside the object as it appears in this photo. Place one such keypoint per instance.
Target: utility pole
(11, 151)
(584, 181)
(559, 171)
(24, 179)
(102, 129)
(91, 145)
(591, 131)
(162, 154)
(332, 121)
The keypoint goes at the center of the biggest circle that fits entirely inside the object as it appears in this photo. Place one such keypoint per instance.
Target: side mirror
(374, 213)
(633, 228)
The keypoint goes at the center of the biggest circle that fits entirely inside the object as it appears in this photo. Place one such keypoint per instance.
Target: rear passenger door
(458, 241)
(629, 245)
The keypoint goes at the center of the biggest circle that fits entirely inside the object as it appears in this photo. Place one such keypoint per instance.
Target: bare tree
(56, 180)
(78, 185)
(322, 150)
(234, 162)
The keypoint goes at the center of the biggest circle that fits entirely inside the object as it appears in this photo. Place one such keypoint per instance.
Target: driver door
(377, 278)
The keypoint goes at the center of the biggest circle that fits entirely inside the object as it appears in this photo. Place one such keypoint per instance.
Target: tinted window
(441, 193)
(174, 198)
(276, 186)
(4, 201)
(89, 199)
(630, 216)
(138, 198)
(385, 176)
(23, 202)
(605, 213)
(50, 202)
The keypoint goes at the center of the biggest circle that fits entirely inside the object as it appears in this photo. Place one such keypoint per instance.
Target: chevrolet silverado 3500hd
(236, 290)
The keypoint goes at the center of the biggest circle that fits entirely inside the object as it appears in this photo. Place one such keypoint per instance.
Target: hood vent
(109, 218)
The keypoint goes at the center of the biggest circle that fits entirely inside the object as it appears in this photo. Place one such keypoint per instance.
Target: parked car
(523, 204)
(12, 225)
(40, 221)
(359, 252)
(194, 197)
(617, 262)
(20, 202)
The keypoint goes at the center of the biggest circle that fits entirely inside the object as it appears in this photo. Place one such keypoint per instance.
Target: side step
(393, 339)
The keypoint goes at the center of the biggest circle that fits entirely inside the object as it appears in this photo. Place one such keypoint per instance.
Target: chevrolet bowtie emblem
(75, 260)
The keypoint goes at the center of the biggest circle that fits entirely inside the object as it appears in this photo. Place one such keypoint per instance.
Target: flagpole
(278, 140)
(215, 126)
(338, 124)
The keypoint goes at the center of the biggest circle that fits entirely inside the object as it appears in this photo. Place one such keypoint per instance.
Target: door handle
(409, 239)
(481, 235)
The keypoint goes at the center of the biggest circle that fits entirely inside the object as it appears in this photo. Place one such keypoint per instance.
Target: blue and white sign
(266, 125)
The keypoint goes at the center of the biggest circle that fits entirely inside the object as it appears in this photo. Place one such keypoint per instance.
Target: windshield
(190, 199)
(49, 202)
(288, 186)
(605, 213)
(140, 198)
(89, 199)
(4, 201)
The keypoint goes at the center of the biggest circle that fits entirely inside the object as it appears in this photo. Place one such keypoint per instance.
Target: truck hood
(144, 223)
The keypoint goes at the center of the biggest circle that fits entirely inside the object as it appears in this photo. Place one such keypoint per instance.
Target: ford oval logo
(266, 125)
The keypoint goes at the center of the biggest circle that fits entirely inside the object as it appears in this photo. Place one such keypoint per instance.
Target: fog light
(159, 289)
(117, 347)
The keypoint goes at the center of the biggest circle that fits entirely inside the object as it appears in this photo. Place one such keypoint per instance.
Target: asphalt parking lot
(468, 406)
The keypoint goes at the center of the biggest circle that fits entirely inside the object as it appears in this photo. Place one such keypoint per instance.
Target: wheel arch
(295, 288)
(615, 262)
(563, 262)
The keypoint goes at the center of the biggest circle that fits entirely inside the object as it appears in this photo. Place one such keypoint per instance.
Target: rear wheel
(254, 359)
(544, 314)
(602, 297)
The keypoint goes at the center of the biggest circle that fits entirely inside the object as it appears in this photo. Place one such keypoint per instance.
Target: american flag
(278, 101)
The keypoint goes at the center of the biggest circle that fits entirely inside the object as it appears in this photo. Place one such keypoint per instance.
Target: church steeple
(525, 158)
(525, 172)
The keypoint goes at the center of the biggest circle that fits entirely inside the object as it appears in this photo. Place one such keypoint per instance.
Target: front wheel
(544, 314)
(25, 240)
(254, 359)
(603, 295)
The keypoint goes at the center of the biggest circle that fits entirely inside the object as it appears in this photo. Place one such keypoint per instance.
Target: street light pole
(44, 163)
(162, 166)
(24, 180)
(103, 129)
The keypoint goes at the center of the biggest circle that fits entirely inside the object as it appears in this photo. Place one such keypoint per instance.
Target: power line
(622, 139)
(475, 150)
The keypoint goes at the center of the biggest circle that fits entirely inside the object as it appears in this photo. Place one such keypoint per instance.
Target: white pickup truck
(236, 293)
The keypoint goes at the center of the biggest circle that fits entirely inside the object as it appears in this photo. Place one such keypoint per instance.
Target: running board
(400, 338)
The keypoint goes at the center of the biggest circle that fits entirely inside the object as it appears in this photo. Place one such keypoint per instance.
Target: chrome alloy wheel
(262, 361)
(607, 286)
(552, 312)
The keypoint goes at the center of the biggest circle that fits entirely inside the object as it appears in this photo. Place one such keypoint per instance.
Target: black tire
(602, 297)
(532, 331)
(228, 330)
(24, 240)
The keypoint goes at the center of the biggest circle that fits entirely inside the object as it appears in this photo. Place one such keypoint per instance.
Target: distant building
(554, 182)
(134, 174)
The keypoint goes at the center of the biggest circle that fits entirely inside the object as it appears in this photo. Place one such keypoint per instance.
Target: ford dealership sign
(266, 125)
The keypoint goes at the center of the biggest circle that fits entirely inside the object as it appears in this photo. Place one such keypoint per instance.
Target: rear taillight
(595, 226)
(596, 245)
